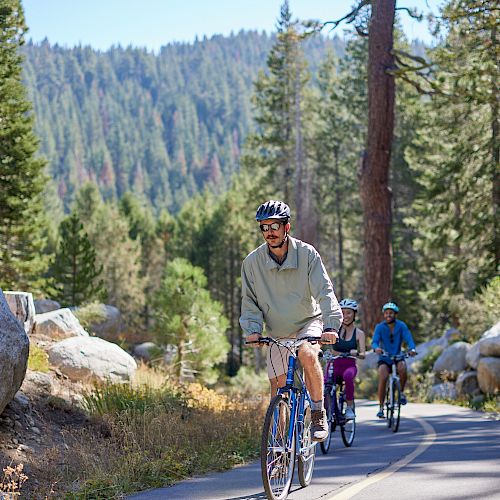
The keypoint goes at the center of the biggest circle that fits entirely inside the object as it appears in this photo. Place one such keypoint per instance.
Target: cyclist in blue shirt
(389, 336)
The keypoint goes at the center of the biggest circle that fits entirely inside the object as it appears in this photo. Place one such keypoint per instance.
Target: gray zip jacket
(289, 296)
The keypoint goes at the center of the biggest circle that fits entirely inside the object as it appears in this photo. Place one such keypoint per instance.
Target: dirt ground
(36, 429)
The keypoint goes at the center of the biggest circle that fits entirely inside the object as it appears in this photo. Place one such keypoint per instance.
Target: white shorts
(277, 356)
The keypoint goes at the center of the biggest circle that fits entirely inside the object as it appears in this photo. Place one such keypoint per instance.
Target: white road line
(430, 436)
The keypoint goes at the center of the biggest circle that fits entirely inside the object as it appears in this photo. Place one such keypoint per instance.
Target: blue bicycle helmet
(348, 304)
(273, 209)
(390, 305)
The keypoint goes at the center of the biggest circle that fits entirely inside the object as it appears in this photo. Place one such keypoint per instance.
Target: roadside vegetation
(153, 433)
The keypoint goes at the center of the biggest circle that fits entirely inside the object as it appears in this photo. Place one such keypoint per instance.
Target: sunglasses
(274, 226)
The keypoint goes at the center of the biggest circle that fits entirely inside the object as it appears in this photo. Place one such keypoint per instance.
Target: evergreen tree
(278, 151)
(74, 269)
(456, 161)
(21, 174)
(187, 318)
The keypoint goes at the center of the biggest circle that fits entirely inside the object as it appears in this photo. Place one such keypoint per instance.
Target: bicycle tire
(328, 401)
(347, 428)
(277, 466)
(305, 464)
(396, 391)
(389, 405)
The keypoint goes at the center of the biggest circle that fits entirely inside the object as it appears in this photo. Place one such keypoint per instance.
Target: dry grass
(154, 433)
(12, 481)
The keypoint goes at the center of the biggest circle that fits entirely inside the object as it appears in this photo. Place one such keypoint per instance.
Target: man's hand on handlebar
(378, 350)
(253, 340)
(329, 337)
(412, 352)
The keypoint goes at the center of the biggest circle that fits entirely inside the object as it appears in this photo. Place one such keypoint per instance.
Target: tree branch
(348, 18)
(412, 13)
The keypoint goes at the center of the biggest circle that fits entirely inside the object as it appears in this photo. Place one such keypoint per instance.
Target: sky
(154, 23)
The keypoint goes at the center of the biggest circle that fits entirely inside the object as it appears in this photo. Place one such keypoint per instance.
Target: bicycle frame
(298, 398)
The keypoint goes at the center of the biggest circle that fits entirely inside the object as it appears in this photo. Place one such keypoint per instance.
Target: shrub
(38, 359)
(90, 314)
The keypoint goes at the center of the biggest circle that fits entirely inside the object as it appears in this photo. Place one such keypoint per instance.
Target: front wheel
(389, 402)
(396, 391)
(277, 453)
(348, 427)
(325, 445)
(307, 454)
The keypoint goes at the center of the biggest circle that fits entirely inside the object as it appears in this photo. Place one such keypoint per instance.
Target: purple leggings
(345, 368)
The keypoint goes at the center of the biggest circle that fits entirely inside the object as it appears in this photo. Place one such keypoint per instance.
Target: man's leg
(402, 377)
(383, 373)
(308, 357)
(276, 383)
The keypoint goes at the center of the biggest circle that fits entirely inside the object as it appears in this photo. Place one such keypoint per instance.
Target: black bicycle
(335, 405)
(393, 392)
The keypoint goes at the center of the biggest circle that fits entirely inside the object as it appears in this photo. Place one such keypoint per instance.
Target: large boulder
(446, 390)
(59, 324)
(92, 359)
(369, 363)
(22, 306)
(46, 305)
(14, 351)
(489, 343)
(467, 383)
(488, 375)
(472, 356)
(144, 350)
(103, 320)
(451, 361)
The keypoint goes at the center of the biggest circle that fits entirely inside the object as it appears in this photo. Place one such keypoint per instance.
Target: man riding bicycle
(285, 285)
(389, 336)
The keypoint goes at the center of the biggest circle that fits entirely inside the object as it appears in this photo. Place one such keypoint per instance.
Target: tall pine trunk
(340, 237)
(375, 192)
(495, 143)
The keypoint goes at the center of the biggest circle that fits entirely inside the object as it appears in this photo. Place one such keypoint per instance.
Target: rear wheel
(389, 404)
(305, 466)
(325, 445)
(396, 391)
(347, 427)
(277, 455)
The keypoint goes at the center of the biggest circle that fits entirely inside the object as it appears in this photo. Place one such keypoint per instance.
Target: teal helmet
(390, 305)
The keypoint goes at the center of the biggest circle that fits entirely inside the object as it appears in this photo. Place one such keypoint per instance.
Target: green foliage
(189, 319)
(163, 126)
(116, 398)
(476, 316)
(21, 174)
(89, 314)
(74, 270)
(38, 359)
(455, 160)
(248, 383)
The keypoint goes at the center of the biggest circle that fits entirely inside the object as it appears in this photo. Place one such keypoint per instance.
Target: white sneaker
(349, 413)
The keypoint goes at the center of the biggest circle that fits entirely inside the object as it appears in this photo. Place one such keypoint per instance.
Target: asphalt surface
(439, 452)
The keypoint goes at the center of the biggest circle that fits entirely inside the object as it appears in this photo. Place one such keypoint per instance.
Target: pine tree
(189, 319)
(21, 174)
(456, 160)
(74, 269)
(277, 152)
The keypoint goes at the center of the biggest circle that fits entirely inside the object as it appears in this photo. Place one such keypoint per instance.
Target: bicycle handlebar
(327, 355)
(270, 340)
(401, 356)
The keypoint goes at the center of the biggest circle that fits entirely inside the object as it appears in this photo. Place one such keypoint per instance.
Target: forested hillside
(161, 125)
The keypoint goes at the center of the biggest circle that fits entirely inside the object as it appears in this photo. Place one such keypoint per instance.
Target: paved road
(440, 452)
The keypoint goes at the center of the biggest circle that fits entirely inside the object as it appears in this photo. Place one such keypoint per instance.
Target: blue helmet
(348, 304)
(273, 209)
(390, 305)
